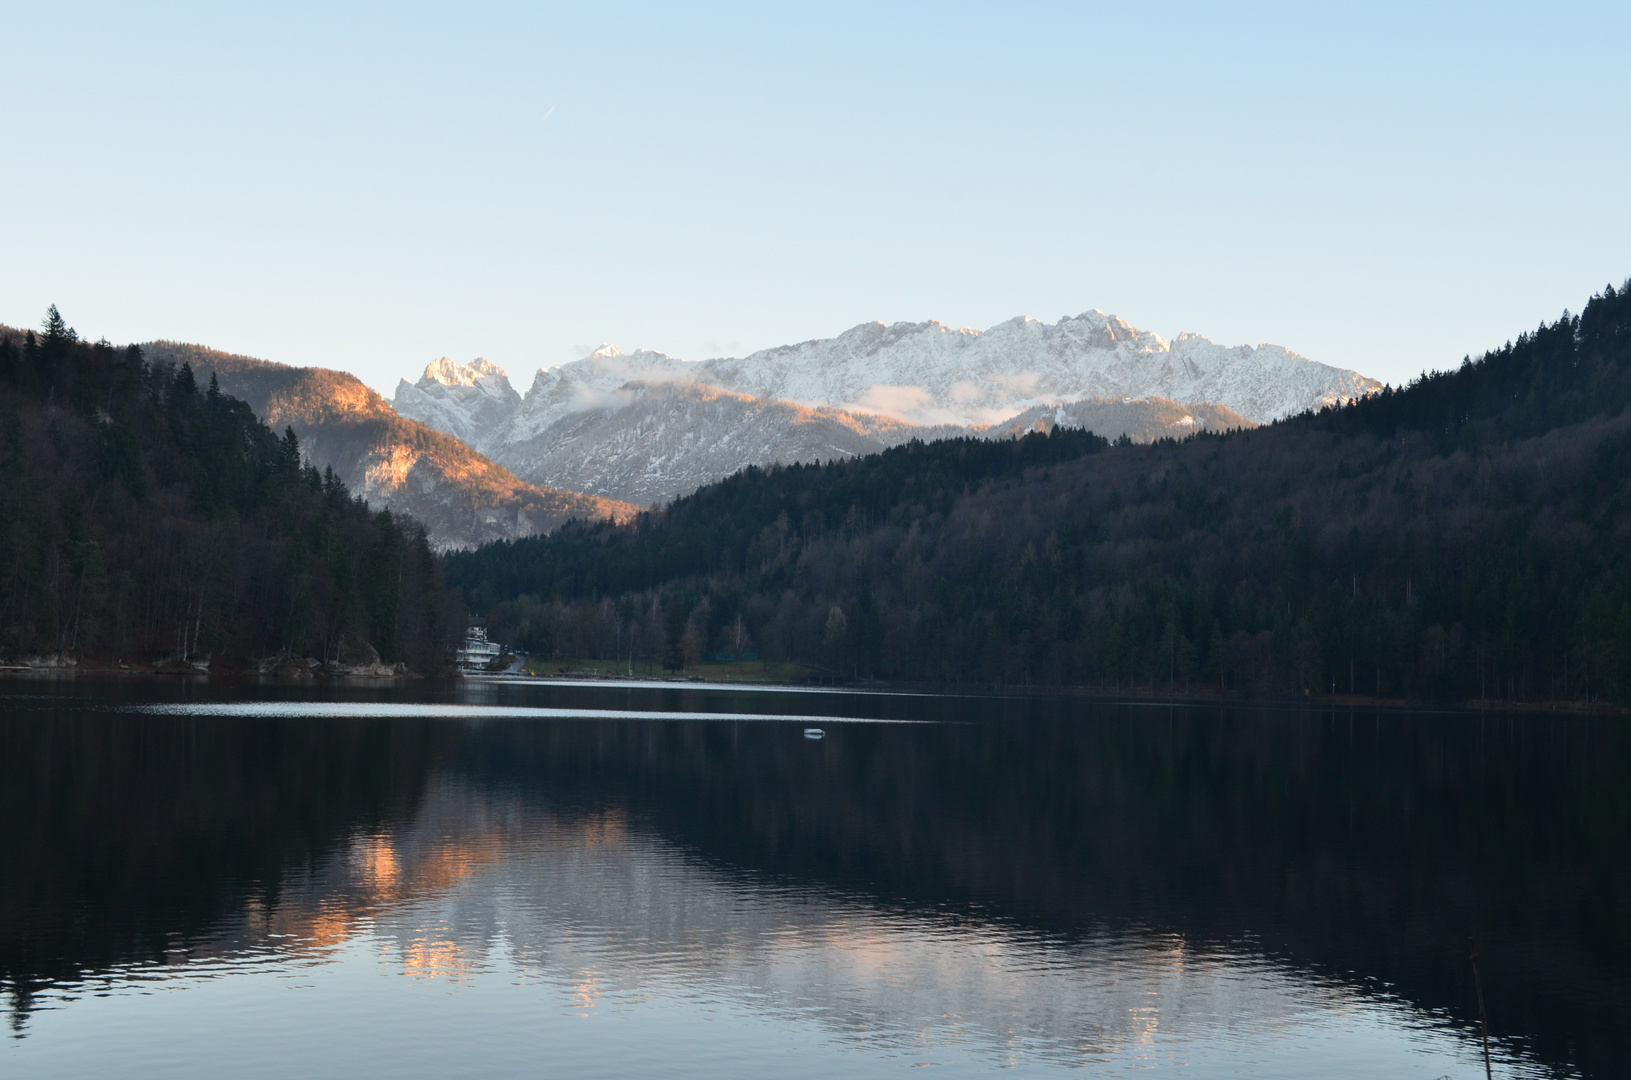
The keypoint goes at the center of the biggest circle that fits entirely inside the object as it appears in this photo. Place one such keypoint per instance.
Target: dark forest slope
(145, 518)
(462, 498)
(1463, 537)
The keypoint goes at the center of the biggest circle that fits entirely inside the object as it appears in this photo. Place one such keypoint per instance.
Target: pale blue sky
(1384, 188)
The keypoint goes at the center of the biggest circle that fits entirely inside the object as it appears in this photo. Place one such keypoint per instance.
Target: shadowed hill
(462, 498)
(1465, 537)
(146, 519)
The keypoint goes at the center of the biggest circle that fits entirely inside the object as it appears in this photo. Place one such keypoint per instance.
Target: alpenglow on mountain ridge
(396, 463)
(646, 427)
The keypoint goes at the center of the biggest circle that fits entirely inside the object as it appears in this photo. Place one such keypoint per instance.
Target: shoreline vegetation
(152, 521)
(1463, 538)
(1464, 541)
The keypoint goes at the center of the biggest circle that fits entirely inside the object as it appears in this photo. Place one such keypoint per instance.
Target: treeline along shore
(1463, 538)
(146, 520)
(1466, 537)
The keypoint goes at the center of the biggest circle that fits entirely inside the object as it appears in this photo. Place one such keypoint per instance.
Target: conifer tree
(57, 330)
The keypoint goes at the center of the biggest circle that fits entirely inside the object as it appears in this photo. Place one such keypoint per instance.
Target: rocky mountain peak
(927, 378)
(448, 372)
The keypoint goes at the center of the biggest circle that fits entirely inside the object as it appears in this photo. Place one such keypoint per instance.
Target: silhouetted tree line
(719, 528)
(144, 518)
(1572, 370)
(1463, 537)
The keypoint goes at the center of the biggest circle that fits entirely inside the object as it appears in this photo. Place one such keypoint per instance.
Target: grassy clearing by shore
(749, 671)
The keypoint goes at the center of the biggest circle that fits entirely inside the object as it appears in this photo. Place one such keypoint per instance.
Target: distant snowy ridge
(929, 373)
(645, 427)
(650, 443)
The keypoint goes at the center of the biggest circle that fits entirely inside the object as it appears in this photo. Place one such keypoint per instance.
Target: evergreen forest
(146, 519)
(1466, 537)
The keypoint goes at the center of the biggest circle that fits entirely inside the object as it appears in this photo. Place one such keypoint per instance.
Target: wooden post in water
(1483, 1020)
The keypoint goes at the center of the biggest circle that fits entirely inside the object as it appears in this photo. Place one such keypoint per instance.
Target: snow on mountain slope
(589, 386)
(659, 441)
(464, 400)
(1144, 420)
(929, 373)
(648, 443)
(637, 426)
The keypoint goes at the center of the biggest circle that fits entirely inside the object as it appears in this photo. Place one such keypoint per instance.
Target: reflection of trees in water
(123, 838)
(484, 879)
(1366, 847)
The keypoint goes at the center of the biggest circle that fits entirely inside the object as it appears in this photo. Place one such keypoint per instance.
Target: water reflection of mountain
(1366, 848)
(485, 880)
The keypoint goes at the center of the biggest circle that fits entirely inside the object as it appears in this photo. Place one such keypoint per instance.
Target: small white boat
(814, 733)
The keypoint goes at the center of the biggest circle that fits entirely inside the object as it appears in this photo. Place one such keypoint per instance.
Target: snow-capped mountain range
(929, 373)
(645, 427)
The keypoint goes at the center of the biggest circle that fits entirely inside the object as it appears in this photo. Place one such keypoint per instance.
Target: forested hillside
(1465, 537)
(146, 518)
(461, 497)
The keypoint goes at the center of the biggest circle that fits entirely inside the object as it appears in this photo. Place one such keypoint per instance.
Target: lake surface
(601, 880)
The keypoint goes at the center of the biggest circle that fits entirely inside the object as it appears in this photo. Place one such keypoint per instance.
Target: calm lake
(606, 880)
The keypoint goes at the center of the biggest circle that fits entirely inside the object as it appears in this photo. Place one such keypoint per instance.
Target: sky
(370, 187)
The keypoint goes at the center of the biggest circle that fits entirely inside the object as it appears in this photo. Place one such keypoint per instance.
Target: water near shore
(622, 880)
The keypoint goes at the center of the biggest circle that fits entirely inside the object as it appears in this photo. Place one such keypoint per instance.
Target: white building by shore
(477, 651)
